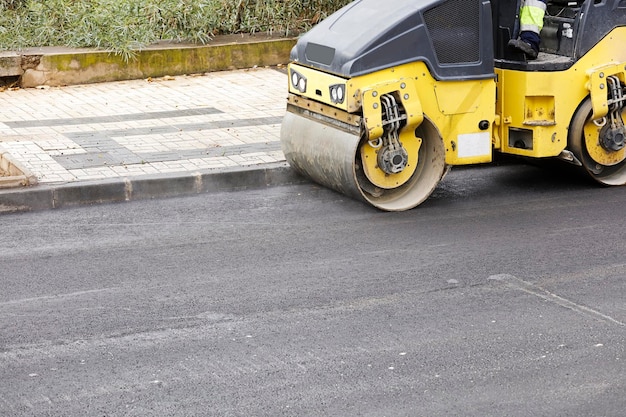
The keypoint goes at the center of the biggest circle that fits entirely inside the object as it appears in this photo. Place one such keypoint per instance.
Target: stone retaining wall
(62, 66)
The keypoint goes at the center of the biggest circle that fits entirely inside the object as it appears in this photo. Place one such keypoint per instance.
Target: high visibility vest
(531, 15)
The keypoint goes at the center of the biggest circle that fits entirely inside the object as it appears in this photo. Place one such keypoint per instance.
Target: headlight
(337, 93)
(298, 81)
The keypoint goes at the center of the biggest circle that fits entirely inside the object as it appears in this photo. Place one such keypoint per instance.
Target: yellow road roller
(386, 96)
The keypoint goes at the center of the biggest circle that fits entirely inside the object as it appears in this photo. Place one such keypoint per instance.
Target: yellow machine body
(455, 107)
(535, 109)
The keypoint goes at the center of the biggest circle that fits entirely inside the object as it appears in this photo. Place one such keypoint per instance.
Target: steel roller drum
(327, 154)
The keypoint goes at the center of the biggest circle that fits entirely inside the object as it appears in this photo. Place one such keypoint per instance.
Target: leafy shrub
(11, 4)
(127, 25)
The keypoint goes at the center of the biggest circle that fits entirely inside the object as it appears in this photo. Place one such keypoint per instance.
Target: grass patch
(124, 26)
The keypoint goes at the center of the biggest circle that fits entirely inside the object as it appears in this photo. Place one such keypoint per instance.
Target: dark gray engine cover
(453, 37)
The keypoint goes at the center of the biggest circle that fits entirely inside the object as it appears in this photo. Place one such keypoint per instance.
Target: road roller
(386, 96)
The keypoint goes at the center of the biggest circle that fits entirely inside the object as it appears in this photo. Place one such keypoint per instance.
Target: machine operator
(531, 15)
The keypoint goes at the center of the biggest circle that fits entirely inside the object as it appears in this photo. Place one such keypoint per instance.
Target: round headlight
(333, 94)
(339, 93)
(294, 79)
(302, 84)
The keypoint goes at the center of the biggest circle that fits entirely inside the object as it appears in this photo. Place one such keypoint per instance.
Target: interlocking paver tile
(134, 128)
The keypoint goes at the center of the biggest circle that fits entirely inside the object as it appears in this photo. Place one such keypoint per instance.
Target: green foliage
(11, 4)
(125, 26)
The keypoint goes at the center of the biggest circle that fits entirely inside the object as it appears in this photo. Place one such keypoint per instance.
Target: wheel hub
(391, 160)
(613, 137)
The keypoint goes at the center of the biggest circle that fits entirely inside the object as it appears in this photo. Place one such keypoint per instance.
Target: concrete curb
(17, 175)
(45, 197)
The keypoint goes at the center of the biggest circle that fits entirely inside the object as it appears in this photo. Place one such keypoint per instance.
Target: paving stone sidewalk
(134, 129)
(131, 128)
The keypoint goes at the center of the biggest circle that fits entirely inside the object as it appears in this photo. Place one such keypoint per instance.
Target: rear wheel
(600, 145)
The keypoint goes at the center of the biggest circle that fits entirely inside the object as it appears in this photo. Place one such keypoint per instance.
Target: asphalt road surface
(503, 295)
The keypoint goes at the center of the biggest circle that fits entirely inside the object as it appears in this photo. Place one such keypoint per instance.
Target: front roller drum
(330, 154)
